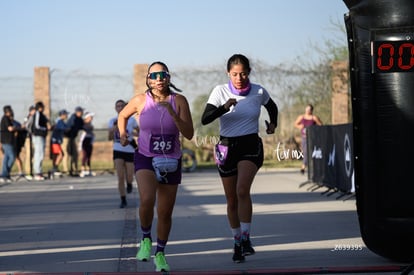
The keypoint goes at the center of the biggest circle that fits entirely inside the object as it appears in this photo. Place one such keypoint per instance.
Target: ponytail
(175, 88)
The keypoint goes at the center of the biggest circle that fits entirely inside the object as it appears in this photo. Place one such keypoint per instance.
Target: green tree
(198, 106)
(205, 136)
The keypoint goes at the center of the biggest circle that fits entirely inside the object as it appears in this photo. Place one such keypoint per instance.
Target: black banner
(330, 156)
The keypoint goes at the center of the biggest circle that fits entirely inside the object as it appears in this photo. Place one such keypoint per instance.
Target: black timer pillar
(381, 50)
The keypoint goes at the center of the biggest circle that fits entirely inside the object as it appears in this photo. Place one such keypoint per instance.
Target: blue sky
(108, 36)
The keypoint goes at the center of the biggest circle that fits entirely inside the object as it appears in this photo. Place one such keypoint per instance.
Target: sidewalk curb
(288, 271)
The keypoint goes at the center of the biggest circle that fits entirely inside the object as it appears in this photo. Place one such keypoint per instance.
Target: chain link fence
(18, 92)
(97, 93)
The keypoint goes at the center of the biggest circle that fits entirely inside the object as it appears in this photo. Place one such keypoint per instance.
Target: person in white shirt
(123, 155)
(239, 153)
(86, 141)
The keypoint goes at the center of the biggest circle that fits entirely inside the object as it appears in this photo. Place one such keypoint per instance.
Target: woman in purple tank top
(162, 115)
(303, 122)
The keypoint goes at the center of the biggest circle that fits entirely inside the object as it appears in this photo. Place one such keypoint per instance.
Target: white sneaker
(82, 174)
(38, 178)
(57, 174)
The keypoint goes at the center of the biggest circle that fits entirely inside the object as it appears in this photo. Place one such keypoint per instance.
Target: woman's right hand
(229, 103)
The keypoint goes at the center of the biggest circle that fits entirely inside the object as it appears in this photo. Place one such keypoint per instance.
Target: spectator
(40, 128)
(8, 140)
(65, 158)
(75, 124)
(20, 134)
(28, 146)
(57, 139)
(86, 142)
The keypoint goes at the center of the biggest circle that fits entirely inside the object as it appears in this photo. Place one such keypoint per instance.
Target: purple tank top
(306, 123)
(158, 134)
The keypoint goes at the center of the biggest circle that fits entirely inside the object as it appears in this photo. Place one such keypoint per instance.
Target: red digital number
(395, 56)
(381, 50)
(401, 54)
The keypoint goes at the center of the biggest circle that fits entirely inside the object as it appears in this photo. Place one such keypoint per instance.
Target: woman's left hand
(270, 128)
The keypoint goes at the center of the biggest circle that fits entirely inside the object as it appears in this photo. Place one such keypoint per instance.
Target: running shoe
(123, 204)
(129, 188)
(247, 248)
(161, 263)
(144, 253)
(57, 174)
(238, 256)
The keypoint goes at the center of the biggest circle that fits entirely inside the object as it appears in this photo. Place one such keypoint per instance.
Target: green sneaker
(161, 263)
(144, 253)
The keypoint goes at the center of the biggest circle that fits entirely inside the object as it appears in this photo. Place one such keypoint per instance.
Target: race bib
(162, 144)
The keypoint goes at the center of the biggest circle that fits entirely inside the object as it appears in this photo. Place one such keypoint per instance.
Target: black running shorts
(249, 147)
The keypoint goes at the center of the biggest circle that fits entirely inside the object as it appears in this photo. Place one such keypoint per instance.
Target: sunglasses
(161, 75)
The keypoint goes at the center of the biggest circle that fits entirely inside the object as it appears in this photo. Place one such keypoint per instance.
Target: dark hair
(39, 105)
(166, 69)
(7, 108)
(236, 59)
(310, 106)
(120, 101)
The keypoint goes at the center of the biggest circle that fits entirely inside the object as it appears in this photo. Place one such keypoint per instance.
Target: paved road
(75, 225)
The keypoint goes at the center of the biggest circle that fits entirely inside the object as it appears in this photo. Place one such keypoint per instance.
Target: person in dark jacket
(75, 124)
(8, 141)
(40, 128)
(20, 134)
(57, 139)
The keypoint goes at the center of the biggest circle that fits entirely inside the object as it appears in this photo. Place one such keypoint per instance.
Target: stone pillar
(140, 76)
(41, 87)
(41, 92)
(340, 93)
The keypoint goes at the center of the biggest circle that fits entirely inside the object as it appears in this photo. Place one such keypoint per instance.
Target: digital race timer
(392, 50)
(393, 56)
